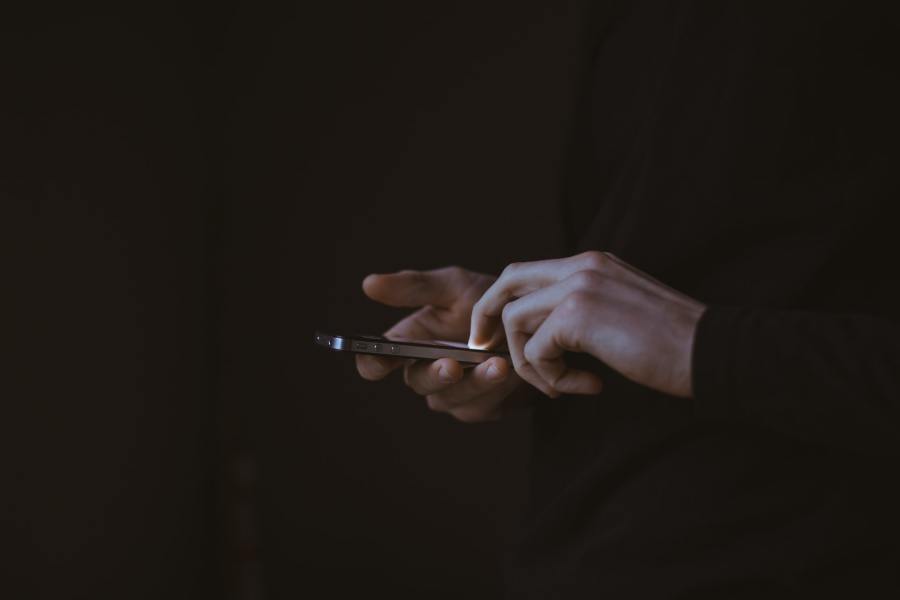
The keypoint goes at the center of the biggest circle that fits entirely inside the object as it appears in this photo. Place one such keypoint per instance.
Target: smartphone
(406, 348)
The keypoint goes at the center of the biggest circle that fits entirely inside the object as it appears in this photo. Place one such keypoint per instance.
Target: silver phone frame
(404, 349)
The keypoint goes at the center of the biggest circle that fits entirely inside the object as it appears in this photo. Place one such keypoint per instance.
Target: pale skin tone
(591, 303)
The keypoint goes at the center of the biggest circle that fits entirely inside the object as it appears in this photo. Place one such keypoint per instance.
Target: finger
(375, 368)
(429, 377)
(516, 341)
(544, 352)
(493, 377)
(526, 314)
(523, 316)
(418, 325)
(409, 288)
(517, 280)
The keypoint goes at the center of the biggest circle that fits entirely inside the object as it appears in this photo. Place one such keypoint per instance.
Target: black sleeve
(819, 377)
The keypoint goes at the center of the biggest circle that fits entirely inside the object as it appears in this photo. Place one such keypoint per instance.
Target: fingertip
(475, 342)
(495, 370)
(369, 283)
(486, 337)
(501, 364)
(372, 368)
(448, 370)
(476, 338)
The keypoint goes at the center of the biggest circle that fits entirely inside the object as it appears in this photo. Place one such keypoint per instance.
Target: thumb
(412, 289)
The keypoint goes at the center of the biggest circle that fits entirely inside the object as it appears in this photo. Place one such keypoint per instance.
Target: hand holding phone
(444, 299)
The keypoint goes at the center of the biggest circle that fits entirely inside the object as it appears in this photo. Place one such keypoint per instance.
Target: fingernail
(494, 373)
(444, 375)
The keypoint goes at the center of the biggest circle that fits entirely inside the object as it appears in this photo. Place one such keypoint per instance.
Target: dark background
(187, 192)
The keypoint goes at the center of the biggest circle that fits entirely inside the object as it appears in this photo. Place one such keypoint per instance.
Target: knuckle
(576, 302)
(594, 259)
(452, 272)
(510, 269)
(530, 353)
(509, 315)
(586, 278)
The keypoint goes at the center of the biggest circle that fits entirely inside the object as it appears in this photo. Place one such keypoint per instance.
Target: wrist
(684, 386)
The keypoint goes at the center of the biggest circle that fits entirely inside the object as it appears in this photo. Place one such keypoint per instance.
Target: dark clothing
(744, 153)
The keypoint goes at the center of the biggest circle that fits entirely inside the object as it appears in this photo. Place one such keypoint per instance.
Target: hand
(444, 298)
(594, 303)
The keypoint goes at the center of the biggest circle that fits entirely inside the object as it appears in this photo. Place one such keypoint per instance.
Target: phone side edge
(332, 342)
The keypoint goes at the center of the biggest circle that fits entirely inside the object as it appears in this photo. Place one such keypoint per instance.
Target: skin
(592, 303)
(444, 299)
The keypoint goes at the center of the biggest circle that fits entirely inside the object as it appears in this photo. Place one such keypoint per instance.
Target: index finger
(517, 280)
